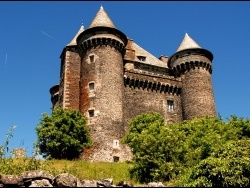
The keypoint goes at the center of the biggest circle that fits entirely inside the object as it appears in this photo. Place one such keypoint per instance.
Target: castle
(110, 79)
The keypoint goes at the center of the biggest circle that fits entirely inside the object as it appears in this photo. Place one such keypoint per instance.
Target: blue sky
(33, 34)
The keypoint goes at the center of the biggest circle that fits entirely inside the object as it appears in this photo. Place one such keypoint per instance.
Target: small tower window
(91, 58)
(91, 86)
(91, 113)
(170, 105)
(115, 143)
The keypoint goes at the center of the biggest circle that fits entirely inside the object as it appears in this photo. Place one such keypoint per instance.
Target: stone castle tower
(110, 79)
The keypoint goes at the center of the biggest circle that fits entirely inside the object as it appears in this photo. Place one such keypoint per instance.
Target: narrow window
(91, 58)
(115, 143)
(91, 113)
(91, 86)
(170, 104)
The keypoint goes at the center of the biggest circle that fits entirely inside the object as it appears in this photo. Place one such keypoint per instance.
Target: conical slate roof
(73, 41)
(187, 43)
(102, 20)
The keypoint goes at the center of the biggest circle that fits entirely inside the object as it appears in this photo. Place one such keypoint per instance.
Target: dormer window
(142, 58)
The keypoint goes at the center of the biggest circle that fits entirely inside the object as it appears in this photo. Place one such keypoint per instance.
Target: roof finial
(82, 26)
(101, 7)
(187, 43)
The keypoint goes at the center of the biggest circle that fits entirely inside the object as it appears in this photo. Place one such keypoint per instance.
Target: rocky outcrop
(39, 178)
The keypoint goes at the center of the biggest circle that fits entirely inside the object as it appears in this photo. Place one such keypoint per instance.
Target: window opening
(141, 58)
(115, 143)
(91, 113)
(91, 58)
(116, 159)
(91, 86)
(170, 104)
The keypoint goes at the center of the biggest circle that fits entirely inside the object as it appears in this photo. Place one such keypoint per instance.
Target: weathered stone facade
(110, 79)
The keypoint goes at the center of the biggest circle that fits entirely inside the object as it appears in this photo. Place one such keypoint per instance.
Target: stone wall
(139, 101)
(102, 103)
(71, 79)
(40, 178)
(197, 94)
(150, 94)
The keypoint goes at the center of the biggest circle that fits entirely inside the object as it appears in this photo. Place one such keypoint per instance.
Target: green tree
(242, 124)
(155, 157)
(63, 134)
(228, 166)
(170, 151)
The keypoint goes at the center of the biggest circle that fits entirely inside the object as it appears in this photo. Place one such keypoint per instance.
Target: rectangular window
(91, 58)
(91, 113)
(91, 86)
(170, 104)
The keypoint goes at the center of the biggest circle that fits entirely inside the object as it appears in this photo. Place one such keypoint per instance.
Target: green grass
(93, 170)
(79, 168)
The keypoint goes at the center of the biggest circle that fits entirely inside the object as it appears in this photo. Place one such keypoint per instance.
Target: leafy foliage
(198, 152)
(154, 155)
(228, 166)
(63, 135)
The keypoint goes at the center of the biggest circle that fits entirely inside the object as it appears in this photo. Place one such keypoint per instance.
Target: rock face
(65, 180)
(39, 178)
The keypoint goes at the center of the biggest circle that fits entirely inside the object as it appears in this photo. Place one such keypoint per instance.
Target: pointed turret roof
(73, 41)
(102, 20)
(187, 43)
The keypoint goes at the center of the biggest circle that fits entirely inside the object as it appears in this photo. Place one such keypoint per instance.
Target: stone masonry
(110, 79)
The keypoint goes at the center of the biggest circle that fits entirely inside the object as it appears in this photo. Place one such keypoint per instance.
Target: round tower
(102, 47)
(194, 65)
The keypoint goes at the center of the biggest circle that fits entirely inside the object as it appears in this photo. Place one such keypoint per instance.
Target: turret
(194, 65)
(54, 92)
(66, 93)
(68, 89)
(102, 47)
